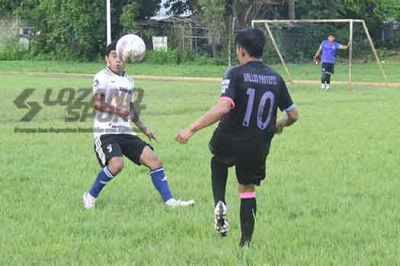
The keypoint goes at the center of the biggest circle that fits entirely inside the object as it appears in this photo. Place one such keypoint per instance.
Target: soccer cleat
(220, 218)
(179, 203)
(89, 202)
(322, 86)
(327, 87)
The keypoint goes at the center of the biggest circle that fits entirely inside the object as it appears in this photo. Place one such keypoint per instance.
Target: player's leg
(324, 76)
(219, 176)
(109, 155)
(140, 152)
(157, 173)
(106, 174)
(220, 146)
(330, 71)
(159, 179)
(248, 210)
(250, 172)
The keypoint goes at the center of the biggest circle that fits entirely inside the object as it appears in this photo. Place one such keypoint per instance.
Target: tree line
(77, 28)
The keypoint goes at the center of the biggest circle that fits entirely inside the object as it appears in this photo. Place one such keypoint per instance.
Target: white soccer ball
(131, 48)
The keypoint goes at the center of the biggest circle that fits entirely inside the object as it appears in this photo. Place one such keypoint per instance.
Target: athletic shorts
(328, 68)
(249, 162)
(116, 145)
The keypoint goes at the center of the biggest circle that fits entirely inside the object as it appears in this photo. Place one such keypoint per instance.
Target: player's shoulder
(231, 71)
(130, 79)
(103, 75)
(271, 72)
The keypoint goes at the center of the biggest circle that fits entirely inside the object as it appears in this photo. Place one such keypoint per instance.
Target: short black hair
(252, 40)
(112, 46)
(331, 34)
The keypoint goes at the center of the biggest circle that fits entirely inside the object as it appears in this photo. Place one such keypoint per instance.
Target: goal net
(292, 44)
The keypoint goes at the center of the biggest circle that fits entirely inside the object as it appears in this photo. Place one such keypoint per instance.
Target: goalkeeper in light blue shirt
(328, 49)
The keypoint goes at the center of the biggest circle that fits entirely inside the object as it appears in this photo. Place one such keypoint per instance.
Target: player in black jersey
(251, 94)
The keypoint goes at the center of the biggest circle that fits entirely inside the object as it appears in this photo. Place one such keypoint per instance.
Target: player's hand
(149, 134)
(184, 135)
(123, 113)
(279, 128)
(315, 60)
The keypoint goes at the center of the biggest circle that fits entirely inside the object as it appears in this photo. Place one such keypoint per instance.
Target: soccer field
(330, 198)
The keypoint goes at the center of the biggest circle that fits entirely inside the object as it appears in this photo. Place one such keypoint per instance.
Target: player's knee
(116, 165)
(156, 163)
(246, 188)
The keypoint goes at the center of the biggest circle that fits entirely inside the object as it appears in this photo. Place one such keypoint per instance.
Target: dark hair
(331, 34)
(252, 40)
(112, 46)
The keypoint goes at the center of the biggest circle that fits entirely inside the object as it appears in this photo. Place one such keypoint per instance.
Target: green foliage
(179, 7)
(370, 10)
(9, 53)
(129, 12)
(178, 56)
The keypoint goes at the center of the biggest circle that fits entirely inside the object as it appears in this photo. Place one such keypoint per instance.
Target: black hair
(111, 47)
(331, 34)
(252, 40)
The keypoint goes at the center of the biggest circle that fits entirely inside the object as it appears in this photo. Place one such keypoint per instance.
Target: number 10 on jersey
(249, 109)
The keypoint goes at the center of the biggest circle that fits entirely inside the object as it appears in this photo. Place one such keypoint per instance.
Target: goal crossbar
(349, 21)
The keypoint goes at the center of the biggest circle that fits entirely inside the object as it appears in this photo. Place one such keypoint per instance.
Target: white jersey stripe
(99, 150)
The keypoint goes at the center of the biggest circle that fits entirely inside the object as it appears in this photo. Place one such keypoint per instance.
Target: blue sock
(102, 179)
(160, 182)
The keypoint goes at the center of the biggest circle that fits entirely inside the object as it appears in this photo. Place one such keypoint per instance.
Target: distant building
(13, 31)
(391, 31)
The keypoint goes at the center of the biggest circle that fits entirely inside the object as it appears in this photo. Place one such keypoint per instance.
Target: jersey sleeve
(338, 45)
(99, 85)
(285, 102)
(321, 46)
(133, 88)
(228, 89)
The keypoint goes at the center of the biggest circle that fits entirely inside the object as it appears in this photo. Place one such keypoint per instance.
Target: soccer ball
(131, 48)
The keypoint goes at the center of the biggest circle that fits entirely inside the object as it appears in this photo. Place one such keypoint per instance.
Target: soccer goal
(305, 35)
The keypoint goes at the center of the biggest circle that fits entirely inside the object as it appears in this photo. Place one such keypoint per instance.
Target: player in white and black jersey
(114, 136)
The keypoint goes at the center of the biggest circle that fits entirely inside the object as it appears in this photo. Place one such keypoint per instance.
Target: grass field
(362, 72)
(330, 198)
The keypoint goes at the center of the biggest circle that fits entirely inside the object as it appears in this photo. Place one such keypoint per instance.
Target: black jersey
(256, 92)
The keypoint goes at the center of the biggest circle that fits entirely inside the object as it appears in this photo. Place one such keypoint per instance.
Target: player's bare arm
(101, 105)
(318, 53)
(213, 115)
(289, 119)
(139, 123)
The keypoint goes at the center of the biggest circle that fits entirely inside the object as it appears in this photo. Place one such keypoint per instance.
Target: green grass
(330, 198)
(365, 72)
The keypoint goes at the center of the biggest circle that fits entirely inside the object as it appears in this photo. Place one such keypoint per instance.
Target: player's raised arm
(345, 47)
(100, 104)
(291, 117)
(140, 124)
(213, 115)
(317, 54)
(286, 104)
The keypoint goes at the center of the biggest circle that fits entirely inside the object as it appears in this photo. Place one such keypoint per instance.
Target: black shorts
(328, 68)
(249, 161)
(116, 145)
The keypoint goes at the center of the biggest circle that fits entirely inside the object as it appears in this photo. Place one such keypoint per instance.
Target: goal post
(350, 22)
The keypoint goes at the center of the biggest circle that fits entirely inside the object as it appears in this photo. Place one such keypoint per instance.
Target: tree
(179, 7)
(214, 21)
